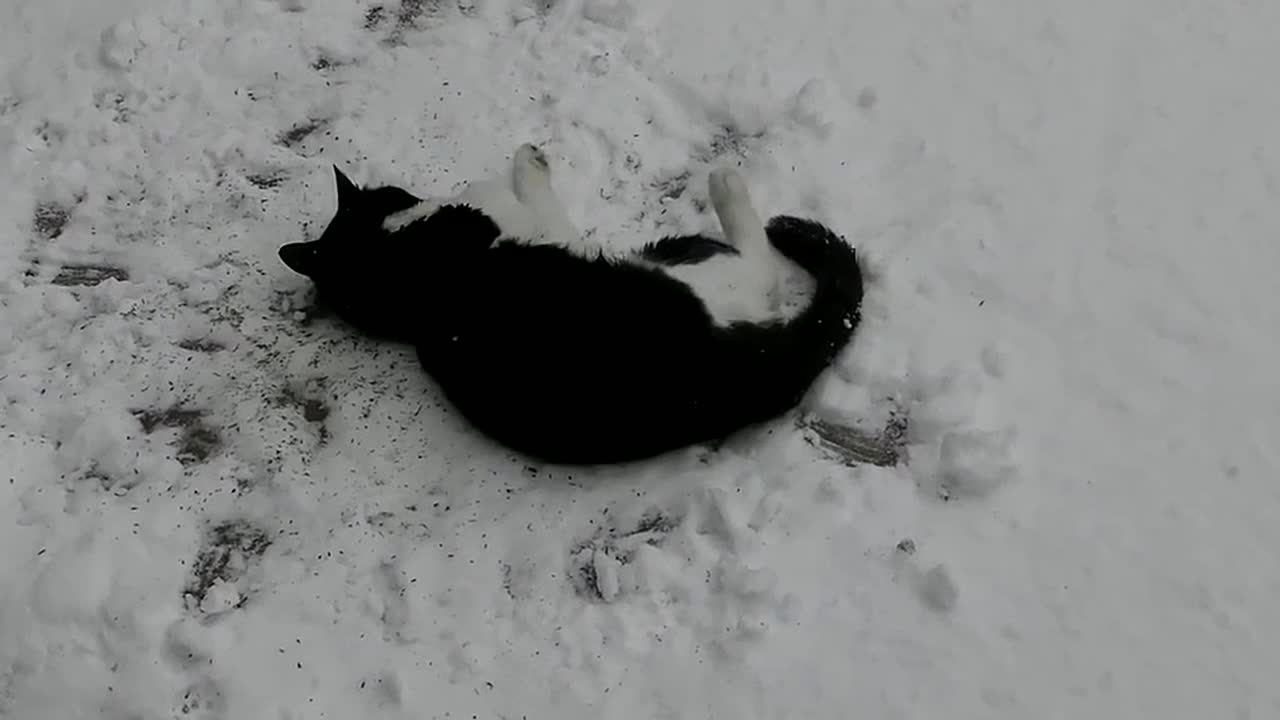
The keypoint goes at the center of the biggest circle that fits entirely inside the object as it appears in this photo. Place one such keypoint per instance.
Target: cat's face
(357, 270)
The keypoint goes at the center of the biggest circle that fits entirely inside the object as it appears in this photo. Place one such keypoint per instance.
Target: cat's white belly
(739, 289)
(513, 218)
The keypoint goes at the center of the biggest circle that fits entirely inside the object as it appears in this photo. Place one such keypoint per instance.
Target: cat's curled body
(580, 359)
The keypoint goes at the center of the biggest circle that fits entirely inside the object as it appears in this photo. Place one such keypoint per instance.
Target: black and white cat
(575, 357)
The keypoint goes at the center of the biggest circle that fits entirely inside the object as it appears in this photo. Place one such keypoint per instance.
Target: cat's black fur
(571, 359)
(685, 250)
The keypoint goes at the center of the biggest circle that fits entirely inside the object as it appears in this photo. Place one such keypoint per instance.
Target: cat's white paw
(727, 188)
(739, 220)
(531, 181)
(530, 157)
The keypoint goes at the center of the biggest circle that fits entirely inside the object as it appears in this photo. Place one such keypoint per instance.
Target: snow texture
(217, 503)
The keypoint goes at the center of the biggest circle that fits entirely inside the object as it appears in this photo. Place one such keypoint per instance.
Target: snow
(215, 505)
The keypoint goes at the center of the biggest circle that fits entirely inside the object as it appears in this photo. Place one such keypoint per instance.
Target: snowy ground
(214, 505)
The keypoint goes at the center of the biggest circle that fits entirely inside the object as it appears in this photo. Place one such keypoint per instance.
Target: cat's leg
(531, 182)
(744, 230)
(531, 174)
(742, 225)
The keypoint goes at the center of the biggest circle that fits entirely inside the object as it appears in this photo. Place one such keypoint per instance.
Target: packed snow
(216, 502)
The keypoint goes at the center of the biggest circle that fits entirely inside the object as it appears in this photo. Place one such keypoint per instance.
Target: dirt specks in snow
(672, 187)
(49, 220)
(266, 180)
(228, 550)
(88, 275)
(727, 140)
(197, 440)
(301, 131)
(405, 17)
(594, 563)
(855, 446)
(313, 409)
(411, 11)
(201, 345)
(374, 16)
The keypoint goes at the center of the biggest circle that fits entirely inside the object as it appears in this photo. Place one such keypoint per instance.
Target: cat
(571, 357)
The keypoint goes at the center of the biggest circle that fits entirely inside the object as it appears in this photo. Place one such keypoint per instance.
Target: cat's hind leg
(744, 230)
(531, 182)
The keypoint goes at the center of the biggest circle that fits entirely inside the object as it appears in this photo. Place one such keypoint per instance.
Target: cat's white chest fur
(496, 199)
(738, 288)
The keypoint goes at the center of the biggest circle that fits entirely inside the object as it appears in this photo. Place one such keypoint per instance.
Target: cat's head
(355, 264)
(354, 231)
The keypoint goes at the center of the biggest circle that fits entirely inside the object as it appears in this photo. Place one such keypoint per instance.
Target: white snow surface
(1069, 213)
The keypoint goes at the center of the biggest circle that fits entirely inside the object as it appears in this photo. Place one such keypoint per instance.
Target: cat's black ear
(347, 190)
(299, 257)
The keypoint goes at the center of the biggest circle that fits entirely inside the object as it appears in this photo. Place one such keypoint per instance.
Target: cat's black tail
(812, 340)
